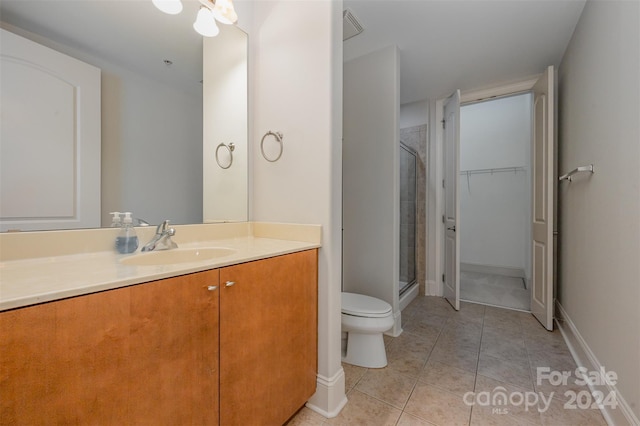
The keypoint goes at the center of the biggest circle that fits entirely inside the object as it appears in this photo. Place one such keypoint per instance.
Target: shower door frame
(410, 284)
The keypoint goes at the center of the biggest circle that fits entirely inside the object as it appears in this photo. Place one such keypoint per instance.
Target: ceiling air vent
(350, 25)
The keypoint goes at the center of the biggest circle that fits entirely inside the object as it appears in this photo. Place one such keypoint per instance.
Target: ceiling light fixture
(205, 24)
(172, 7)
(210, 11)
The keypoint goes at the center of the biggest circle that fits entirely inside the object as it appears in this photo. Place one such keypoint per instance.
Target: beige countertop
(60, 273)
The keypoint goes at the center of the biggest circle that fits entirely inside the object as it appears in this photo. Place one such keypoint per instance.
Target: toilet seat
(360, 305)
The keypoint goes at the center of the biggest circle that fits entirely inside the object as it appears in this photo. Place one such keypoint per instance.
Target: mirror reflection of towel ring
(230, 147)
(278, 137)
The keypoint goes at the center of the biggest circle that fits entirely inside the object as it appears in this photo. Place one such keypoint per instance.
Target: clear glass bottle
(127, 240)
(116, 221)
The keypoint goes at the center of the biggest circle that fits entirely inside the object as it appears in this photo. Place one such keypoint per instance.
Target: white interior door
(543, 199)
(50, 133)
(451, 121)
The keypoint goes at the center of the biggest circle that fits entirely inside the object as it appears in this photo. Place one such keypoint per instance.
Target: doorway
(495, 201)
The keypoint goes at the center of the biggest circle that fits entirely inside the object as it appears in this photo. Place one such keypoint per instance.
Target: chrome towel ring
(230, 147)
(278, 136)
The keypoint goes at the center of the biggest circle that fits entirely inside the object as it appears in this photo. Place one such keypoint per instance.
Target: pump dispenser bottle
(127, 240)
(116, 221)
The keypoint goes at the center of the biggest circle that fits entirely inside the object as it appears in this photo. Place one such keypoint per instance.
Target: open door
(543, 178)
(451, 123)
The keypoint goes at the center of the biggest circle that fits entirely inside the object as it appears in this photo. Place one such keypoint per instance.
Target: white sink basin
(169, 257)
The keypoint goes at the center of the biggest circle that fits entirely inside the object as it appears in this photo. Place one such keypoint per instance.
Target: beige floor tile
(548, 342)
(460, 341)
(514, 372)
(558, 361)
(412, 309)
(436, 316)
(438, 406)
(469, 312)
(426, 323)
(406, 363)
(472, 308)
(488, 416)
(563, 390)
(503, 333)
(506, 314)
(306, 417)
(420, 344)
(467, 318)
(560, 414)
(433, 304)
(409, 420)
(387, 385)
(466, 360)
(444, 376)
(433, 364)
(530, 324)
(501, 323)
(365, 410)
(460, 325)
(352, 375)
(387, 339)
(503, 348)
(492, 334)
(514, 410)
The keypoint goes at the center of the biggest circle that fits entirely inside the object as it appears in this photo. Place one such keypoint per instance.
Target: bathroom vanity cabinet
(268, 339)
(235, 345)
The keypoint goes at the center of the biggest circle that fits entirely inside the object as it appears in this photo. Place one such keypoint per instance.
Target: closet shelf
(514, 169)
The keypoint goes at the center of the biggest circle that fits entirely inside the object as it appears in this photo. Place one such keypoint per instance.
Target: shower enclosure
(408, 213)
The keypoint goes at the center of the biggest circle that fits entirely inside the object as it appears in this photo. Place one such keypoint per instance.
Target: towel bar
(569, 175)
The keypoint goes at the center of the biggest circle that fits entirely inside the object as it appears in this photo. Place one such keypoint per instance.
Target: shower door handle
(453, 228)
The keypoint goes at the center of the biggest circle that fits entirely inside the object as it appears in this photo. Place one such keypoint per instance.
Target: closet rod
(514, 169)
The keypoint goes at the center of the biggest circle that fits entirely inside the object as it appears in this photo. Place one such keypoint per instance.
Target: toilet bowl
(364, 319)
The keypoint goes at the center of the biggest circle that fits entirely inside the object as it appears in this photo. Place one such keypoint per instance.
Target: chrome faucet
(162, 239)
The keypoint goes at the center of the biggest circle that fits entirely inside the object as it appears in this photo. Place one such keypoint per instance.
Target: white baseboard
(432, 288)
(493, 269)
(396, 330)
(585, 357)
(329, 398)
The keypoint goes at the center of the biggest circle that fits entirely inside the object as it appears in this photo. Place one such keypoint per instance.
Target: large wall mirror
(152, 104)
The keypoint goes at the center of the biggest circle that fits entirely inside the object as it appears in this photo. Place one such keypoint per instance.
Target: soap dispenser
(127, 240)
(116, 221)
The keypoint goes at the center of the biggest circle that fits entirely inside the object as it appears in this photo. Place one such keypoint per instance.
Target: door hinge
(442, 277)
(443, 183)
(443, 122)
(443, 220)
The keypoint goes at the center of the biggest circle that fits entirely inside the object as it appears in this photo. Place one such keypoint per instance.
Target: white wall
(495, 208)
(151, 149)
(296, 88)
(371, 190)
(225, 92)
(599, 242)
(414, 114)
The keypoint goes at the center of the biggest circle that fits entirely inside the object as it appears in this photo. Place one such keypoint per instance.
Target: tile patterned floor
(443, 355)
(497, 290)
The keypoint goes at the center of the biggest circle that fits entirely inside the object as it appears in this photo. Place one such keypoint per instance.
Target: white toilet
(364, 319)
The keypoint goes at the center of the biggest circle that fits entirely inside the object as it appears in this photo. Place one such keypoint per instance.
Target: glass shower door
(408, 207)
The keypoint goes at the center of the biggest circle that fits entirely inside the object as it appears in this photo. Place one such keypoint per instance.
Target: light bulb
(172, 7)
(224, 12)
(205, 23)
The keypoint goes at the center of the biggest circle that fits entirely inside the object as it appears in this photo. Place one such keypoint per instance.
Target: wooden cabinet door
(268, 338)
(146, 354)
(65, 362)
(174, 351)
